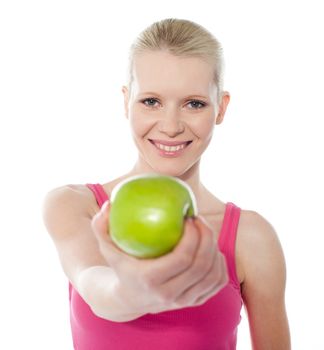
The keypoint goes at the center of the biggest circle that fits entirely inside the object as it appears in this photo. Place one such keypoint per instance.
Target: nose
(171, 124)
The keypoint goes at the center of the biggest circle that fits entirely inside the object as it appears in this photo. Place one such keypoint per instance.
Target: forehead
(161, 71)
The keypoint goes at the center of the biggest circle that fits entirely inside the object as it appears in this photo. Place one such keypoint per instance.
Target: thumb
(100, 222)
(106, 206)
(100, 226)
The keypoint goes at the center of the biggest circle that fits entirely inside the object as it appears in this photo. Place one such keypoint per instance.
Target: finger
(108, 249)
(220, 270)
(205, 228)
(203, 263)
(180, 259)
(100, 222)
(207, 287)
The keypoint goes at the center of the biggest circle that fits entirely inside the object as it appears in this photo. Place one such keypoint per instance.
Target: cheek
(140, 123)
(204, 127)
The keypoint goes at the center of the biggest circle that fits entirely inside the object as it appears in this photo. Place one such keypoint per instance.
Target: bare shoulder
(255, 228)
(258, 246)
(81, 194)
(263, 287)
(67, 201)
(67, 214)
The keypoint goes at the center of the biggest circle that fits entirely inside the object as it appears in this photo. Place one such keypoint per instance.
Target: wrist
(128, 311)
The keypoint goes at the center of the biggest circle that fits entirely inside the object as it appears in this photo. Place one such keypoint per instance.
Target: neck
(190, 176)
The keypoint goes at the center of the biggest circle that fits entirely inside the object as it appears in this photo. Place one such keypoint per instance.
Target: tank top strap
(227, 239)
(99, 192)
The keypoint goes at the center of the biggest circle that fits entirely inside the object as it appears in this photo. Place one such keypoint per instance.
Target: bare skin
(172, 98)
(260, 268)
(260, 262)
(210, 208)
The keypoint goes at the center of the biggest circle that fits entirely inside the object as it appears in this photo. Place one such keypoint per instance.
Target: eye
(196, 104)
(152, 102)
(149, 102)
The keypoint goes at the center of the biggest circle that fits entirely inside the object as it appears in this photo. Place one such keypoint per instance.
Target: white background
(62, 121)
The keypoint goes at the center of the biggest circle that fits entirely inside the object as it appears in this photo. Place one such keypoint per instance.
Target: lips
(169, 143)
(170, 148)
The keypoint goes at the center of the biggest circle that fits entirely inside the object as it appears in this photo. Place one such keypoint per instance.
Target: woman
(190, 298)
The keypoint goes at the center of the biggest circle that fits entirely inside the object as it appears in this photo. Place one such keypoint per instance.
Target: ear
(223, 106)
(126, 99)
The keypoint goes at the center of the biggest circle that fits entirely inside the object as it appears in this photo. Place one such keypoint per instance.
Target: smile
(169, 149)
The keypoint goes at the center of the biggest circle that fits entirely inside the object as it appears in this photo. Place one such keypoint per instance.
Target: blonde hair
(181, 38)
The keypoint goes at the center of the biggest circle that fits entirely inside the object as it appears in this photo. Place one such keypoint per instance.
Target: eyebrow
(156, 94)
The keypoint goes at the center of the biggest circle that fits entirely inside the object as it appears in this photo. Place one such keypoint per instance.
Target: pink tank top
(211, 326)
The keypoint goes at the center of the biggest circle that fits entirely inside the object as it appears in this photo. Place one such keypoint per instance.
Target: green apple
(147, 214)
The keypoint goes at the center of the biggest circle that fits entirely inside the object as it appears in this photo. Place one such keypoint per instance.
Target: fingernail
(201, 218)
(105, 205)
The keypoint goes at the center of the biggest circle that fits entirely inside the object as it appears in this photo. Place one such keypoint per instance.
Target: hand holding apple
(187, 276)
(147, 214)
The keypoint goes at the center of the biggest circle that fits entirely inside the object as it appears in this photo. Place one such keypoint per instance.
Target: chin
(171, 170)
(168, 167)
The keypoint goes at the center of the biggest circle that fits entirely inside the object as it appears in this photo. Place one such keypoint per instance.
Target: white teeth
(170, 148)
